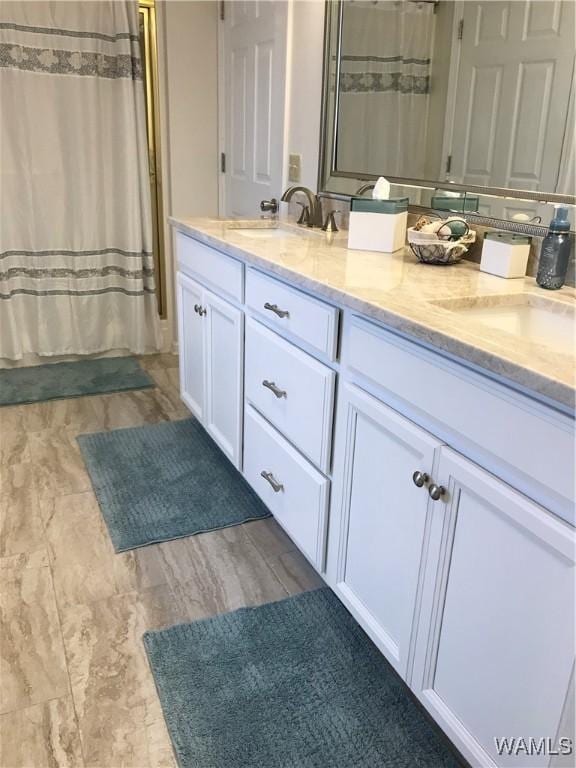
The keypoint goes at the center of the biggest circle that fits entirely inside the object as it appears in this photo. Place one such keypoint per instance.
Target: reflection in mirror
(477, 93)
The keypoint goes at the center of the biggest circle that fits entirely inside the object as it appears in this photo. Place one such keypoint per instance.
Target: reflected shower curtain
(384, 86)
(76, 268)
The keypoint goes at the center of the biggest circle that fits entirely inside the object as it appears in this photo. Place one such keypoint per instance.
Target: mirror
(466, 105)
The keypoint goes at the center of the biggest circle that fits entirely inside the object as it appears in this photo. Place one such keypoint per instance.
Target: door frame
(222, 94)
(147, 11)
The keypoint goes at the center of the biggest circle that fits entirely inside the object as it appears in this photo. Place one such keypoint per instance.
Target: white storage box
(505, 254)
(377, 225)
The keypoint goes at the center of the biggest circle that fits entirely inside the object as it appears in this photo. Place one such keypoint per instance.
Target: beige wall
(305, 58)
(188, 56)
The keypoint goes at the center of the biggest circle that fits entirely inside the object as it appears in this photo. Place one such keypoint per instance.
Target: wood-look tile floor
(75, 686)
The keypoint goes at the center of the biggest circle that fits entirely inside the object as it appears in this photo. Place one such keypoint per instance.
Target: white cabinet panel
(220, 272)
(191, 344)
(224, 327)
(293, 312)
(295, 492)
(526, 444)
(211, 350)
(495, 648)
(378, 518)
(292, 390)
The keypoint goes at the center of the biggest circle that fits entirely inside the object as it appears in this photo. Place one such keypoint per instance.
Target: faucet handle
(269, 206)
(304, 217)
(330, 223)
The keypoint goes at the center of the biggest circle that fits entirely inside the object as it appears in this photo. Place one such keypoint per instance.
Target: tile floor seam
(67, 664)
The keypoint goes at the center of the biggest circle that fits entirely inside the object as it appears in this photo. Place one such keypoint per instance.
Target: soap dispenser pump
(555, 252)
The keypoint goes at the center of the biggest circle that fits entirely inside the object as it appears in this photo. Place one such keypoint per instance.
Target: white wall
(188, 56)
(305, 59)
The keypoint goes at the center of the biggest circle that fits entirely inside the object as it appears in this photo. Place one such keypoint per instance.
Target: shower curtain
(384, 86)
(76, 267)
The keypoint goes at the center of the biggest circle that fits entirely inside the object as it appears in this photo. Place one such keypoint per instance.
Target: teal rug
(165, 481)
(293, 684)
(61, 380)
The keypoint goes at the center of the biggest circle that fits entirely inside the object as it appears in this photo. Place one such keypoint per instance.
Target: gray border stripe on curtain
(57, 62)
(99, 252)
(69, 32)
(65, 292)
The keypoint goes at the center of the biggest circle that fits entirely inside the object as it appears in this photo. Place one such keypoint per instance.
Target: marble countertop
(414, 299)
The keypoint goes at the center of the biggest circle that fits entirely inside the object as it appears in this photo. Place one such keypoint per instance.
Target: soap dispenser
(555, 252)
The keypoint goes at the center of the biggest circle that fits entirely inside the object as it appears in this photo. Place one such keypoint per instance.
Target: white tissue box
(377, 225)
(505, 254)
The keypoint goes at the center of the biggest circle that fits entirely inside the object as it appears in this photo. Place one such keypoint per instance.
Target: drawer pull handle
(276, 486)
(273, 388)
(420, 478)
(436, 492)
(274, 308)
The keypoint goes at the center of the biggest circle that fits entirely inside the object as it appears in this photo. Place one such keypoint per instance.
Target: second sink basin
(529, 316)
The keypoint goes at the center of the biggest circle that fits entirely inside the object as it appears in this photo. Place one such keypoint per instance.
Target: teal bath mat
(293, 684)
(165, 481)
(60, 380)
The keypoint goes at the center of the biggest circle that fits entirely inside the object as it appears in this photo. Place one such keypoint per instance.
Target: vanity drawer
(523, 442)
(218, 271)
(296, 493)
(302, 402)
(290, 310)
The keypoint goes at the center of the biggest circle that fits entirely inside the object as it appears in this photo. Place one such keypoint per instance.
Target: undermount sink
(529, 316)
(263, 233)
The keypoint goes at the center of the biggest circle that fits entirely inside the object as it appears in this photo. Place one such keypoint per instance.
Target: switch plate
(294, 168)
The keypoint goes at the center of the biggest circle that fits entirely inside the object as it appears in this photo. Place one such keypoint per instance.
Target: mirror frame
(329, 128)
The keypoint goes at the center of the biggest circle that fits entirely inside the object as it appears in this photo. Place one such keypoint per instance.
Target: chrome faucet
(314, 218)
(365, 188)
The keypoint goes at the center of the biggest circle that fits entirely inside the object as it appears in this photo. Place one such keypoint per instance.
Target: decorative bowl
(439, 252)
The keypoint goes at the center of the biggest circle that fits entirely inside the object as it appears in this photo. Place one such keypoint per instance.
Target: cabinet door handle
(436, 492)
(274, 308)
(273, 388)
(276, 486)
(420, 478)
(202, 311)
(196, 308)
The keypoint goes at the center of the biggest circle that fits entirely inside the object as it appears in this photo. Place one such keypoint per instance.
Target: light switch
(294, 167)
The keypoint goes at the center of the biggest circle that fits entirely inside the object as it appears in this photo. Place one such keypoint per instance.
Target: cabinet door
(224, 328)
(378, 519)
(191, 344)
(495, 647)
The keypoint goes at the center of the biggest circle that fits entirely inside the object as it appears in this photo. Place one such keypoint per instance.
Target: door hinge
(460, 29)
(448, 163)
(222, 162)
(222, 10)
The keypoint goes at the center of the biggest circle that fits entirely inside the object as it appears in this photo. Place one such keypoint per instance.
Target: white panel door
(191, 344)
(378, 517)
(515, 70)
(495, 648)
(224, 354)
(253, 57)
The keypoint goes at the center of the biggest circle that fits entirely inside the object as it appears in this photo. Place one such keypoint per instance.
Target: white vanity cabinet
(495, 641)
(439, 512)
(465, 584)
(211, 334)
